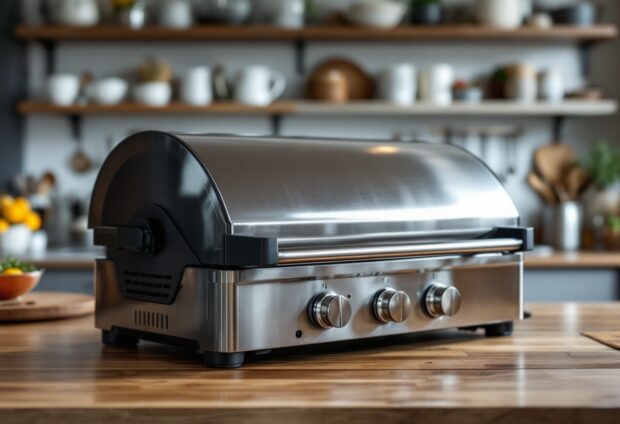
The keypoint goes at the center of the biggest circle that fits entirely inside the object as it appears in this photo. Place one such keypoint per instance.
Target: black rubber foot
(499, 330)
(114, 338)
(224, 360)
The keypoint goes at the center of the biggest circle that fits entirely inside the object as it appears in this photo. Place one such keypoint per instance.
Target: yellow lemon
(33, 221)
(15, 214)
(12, 271)
(4, 225)
(5, 201)
(23, 204)
(18, 211)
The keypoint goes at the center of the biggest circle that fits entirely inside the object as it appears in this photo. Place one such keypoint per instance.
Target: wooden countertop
(73, 259)
(608, 260)
(546, 372)
(65, 259)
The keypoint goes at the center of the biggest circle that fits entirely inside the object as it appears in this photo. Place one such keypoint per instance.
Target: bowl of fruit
(17, 278)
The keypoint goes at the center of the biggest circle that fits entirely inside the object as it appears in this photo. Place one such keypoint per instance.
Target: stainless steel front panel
(246, 310)
(305, 188)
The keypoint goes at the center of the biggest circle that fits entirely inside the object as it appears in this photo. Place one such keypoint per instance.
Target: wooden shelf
(368, 108)
(486, 108)
(572, 260)
(223, 108)
(216, 32)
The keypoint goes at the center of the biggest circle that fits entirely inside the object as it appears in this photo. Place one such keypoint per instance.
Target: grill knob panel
(441, 301)
(330, 311)
(391, 306)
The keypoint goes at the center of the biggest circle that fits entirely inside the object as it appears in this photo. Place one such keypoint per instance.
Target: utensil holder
(562, 226)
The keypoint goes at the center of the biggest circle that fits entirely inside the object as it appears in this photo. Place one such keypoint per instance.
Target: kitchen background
(49, 137)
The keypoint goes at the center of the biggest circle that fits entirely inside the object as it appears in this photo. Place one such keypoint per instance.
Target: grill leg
(224, 360)
(115, 338)
(499, 330)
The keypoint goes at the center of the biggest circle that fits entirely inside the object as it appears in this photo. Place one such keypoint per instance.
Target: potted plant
(611, 233)
(604, 170)
(129, 13)
(466, 92)
(426, 12)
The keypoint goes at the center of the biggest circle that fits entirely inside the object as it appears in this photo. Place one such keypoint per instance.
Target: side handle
(525, 234)
(133, 239)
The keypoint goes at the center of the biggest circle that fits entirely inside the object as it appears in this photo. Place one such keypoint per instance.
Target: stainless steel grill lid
(239, 201)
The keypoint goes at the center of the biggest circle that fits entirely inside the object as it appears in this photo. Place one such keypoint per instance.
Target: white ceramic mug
(290, 13)
(155, 93)
(258, 85)
(436, 84)
(196, 86)
(550, 86)
(505, 14)
(63, 89)
(398, 84)
(176, 14)
(108, 91)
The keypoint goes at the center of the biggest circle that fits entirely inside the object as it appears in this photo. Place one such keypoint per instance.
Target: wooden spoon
(542, 188)
(576, 181)
(553, 161)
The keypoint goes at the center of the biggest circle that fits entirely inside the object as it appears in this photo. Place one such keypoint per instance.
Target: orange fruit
(33, 221)
(12, 271)
(4, 225)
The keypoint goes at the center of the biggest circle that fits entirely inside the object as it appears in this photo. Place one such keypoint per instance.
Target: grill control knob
(391, 306)
(442, 301)
(330, 310)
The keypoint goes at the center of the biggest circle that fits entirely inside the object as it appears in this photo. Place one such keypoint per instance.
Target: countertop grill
(212, 223)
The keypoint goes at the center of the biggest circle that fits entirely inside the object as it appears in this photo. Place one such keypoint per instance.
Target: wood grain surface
(354, 108)
(40, 306)
(255, 32)
(559, 260)
(546, 372)
(609, 260)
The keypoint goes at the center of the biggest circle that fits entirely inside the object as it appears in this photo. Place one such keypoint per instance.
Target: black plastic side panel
(157, 168)
(154, 277)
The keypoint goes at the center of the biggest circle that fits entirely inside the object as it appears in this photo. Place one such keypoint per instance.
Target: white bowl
(376, 13)
(16, 240)
(108, 91)
(154, 93)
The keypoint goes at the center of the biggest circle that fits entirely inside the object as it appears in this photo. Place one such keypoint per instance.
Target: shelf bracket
(50, 56)
(75, 121)
(558, 128)
(276, 124)
(300, 56)
(585, 48)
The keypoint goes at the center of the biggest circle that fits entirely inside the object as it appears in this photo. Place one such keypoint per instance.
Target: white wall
(48, 142)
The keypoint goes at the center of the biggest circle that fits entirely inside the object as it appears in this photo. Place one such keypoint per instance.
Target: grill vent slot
(150, 319)
(147, 286)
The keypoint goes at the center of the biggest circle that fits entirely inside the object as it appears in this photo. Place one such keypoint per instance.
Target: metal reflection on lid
(383, 150)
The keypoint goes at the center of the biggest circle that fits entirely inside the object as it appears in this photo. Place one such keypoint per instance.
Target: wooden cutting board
(360, 84)
(608, 338)
(41, 306)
